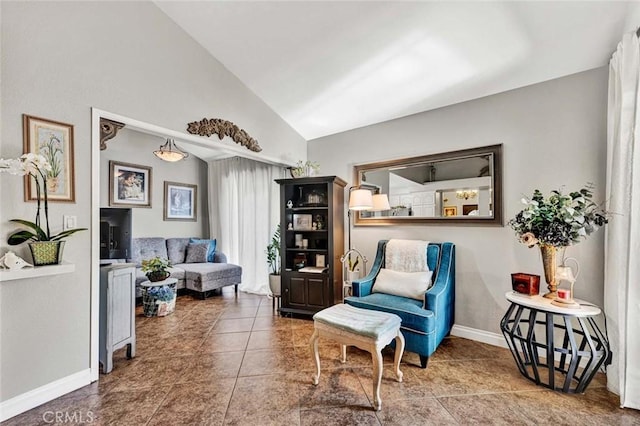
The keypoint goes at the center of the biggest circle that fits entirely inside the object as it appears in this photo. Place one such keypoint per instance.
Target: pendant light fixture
(170, 152)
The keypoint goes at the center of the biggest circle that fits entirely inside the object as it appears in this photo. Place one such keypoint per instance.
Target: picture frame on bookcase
(302, 222)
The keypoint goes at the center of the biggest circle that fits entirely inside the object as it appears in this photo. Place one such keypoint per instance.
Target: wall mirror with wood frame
(451, 188)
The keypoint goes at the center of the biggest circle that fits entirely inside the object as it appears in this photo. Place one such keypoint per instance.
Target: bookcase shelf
(323, 235)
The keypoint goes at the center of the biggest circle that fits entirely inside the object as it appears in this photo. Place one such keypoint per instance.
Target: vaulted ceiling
(327, 67)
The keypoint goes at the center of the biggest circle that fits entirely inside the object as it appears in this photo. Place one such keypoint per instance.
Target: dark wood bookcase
(312, 208)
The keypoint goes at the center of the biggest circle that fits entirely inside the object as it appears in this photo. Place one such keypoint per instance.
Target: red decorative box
(528, 284)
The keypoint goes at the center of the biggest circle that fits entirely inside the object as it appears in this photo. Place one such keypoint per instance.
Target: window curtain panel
(622, 239)
(243, 214)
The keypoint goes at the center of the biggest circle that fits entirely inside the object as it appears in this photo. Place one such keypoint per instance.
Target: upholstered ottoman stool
(366, 329)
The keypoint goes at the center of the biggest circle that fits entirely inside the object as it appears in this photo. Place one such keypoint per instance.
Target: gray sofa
(200, 278)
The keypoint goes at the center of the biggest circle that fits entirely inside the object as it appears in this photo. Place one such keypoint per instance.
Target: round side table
(154, 306)
(559, 348)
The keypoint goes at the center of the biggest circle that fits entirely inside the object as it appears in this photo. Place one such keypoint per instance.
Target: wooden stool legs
(375, 348)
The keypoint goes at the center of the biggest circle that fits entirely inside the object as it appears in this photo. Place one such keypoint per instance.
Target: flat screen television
(115, 233)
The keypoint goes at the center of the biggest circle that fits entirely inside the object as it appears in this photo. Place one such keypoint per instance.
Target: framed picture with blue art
(180, 201)
(53, 140)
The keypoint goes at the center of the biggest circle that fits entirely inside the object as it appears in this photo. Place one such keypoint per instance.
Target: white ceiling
(327, 67)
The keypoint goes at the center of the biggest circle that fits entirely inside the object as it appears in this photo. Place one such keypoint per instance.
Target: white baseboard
(33, 398)
(487, 337)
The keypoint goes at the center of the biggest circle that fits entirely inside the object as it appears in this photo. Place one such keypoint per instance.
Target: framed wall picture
(302, 222)
(53, 140)
(129, 185)
(180, 201)
(450, 211)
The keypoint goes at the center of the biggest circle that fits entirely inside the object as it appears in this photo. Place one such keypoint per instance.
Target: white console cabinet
(117, 312)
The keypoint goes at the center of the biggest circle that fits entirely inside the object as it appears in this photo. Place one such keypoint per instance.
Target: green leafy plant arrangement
(273, 252)
(156, 269)
(37, 167)
(559, 220)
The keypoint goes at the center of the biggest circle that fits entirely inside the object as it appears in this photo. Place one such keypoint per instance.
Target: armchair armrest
(440, 298)
(363, 287)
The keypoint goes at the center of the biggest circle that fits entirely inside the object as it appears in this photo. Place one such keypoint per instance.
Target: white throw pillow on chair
(406, 284)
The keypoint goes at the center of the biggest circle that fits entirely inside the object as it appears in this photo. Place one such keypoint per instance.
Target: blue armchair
(424, 323)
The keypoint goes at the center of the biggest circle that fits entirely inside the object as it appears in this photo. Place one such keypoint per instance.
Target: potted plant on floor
(273, 260)
(156, 269)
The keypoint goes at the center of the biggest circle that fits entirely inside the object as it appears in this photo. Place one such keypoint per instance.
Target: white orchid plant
(37, 167)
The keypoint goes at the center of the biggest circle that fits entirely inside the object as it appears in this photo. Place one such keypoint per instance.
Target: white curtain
(622, 247)
(243, 214)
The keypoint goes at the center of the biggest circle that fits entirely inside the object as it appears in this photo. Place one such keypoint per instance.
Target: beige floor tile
(225, 342)
(200, 403)
(233, 325)
(329, 416)
(207, 364)
(337, 387)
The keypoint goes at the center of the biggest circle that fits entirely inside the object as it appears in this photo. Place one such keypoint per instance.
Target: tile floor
(231, 361)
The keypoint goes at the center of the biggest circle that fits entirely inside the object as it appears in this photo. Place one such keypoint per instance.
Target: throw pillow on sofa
(211, 247)
(197, 253)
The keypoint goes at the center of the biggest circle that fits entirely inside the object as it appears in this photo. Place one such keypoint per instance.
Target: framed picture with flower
(129, 185)
(53, 140)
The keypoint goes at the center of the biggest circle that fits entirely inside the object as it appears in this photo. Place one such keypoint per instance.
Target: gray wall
(137, 148)
(59, 59)
(554, 135)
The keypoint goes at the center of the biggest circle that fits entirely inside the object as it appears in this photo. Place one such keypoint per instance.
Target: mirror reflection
(456, 186)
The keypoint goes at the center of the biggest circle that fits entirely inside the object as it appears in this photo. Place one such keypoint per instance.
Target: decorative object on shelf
(180, 201)
(320, 261)
(300, 261)
(156, 269)
(315, 199)
(13, 262)
(108, 131)
(302, 222)
(289, 204)
(222, 128)
(305, 243)
(306, 169)
(54, 141)
(170, 152)
(36, 166)
(129, 185)
(528, 284)
(319, 222)
(564, 272)
(273, 260)
(290, 226)
(298, 240)
(557, 222)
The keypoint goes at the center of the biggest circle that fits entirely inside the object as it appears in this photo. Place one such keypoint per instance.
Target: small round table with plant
(159, 293)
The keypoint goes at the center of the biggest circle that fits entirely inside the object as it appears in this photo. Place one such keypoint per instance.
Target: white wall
(137, 148)
(59, 59)
(554, 135)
